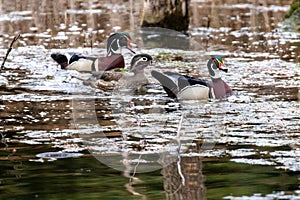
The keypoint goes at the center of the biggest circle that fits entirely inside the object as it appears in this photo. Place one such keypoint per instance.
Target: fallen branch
(10, 48)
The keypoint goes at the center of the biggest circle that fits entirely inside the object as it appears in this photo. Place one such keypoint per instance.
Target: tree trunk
(171, 14)
(193, 187)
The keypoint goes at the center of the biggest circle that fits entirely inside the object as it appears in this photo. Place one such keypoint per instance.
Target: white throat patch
(217, 73)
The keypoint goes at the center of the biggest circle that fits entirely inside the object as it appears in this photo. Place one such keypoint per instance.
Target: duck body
(189, 88)
(113, 59)
(91, 64)
(108, 80)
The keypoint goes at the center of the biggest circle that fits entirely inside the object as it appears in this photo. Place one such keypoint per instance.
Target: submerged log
(171, 14)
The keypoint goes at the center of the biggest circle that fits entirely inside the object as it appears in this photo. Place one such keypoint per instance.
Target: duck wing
(167, 82)
(184, 80)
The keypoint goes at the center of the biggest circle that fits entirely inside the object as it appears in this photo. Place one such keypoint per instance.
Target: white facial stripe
(142, 59)
(110, 48)
(216, 72)
(135, 64)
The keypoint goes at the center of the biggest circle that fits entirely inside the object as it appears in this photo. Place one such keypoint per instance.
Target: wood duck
(109, 80)
(189, 88)
(113, 59)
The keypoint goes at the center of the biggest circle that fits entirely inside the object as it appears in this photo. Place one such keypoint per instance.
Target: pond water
(61, 139)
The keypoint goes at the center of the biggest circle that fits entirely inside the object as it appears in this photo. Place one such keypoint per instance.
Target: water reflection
(243, 28)
(256, 141)
(65, 24)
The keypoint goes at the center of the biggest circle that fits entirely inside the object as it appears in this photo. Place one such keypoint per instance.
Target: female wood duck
(113, 59)
(190, 88)
(109, 80)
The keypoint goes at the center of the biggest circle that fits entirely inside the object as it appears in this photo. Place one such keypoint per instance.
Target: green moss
(292, 17)
(294, 6)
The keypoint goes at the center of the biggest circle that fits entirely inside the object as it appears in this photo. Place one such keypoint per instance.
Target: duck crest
(116, 41)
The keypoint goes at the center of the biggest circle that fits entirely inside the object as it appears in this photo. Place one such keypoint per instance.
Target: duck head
(139, 62)
(116, 41)
(215, 64)
(60, 59)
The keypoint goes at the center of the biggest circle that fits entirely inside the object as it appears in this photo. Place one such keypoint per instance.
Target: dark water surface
(61, 139)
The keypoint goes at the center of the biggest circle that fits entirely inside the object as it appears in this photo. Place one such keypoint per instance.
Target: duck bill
(223, 68)
(130, 50)
(131, 45)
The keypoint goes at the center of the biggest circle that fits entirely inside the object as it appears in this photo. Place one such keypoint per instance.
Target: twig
(135, 167)
(10, 48)
(179, 147)
(3, 140)
(132, 180)
(79, 78)
(88, 81)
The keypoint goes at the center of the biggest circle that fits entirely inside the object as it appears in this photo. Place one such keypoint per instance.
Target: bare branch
(9, 50)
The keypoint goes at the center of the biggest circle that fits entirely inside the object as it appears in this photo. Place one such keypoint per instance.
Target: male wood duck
(113, 59)
(109, 80)
(189, 88)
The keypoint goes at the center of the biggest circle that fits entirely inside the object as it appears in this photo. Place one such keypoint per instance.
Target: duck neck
(138, 73)
(214, 80)
(64, 65)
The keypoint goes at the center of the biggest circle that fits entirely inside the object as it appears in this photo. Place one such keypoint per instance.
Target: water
(58, 136)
